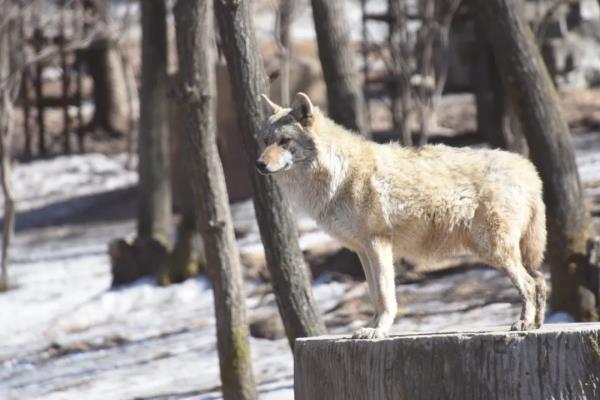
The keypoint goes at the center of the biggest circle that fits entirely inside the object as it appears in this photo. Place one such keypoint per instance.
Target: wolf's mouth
(263, 169)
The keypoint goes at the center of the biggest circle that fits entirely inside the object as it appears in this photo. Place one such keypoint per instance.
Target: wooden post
(556, 362)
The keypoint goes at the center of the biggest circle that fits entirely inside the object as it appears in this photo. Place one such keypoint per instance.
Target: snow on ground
(65, 335)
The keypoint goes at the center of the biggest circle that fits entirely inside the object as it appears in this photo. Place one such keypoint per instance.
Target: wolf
(384, 201)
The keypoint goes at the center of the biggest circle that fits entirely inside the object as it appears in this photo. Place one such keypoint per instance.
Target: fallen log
(558, 361)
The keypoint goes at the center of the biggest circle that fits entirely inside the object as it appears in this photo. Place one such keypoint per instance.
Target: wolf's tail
(533, 241)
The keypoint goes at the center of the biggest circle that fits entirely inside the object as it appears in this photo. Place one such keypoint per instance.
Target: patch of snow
(559, 317)
(44, 182)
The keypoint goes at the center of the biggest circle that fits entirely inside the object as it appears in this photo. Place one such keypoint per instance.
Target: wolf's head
(287, 135)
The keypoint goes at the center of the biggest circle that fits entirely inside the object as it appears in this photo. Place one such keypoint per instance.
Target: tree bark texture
(194, 29)
(535, 103)
(345, 102)
(556, 362)
(289, 276)
(8, 222)
(154, 198)
(186, 257)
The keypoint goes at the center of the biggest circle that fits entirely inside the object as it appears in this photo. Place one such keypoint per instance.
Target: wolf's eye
(284, 141)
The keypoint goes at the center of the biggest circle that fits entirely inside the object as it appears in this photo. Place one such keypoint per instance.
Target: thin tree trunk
(427, 36)
(289, 275)
(400, 90)
(489, 96)
(345, 102)
(194, 28)
(8, 227)
(154, 208)
(532, 94)
(5, 136)
(39, 94)
(65, 81)
(25, 99)
(284, 20)
(80, 28)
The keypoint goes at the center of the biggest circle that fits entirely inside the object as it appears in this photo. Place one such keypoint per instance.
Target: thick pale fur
(384, 202)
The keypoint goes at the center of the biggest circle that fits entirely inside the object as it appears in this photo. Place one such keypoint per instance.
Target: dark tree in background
(194, 32)
(489, 95)
(345, 103)
(535, 102)
(282, 38)
(106, 67)
(154, 199)
(285, 262)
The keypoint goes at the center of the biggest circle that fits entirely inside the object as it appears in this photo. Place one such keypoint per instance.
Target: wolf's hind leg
(526, 285)
(540, 297)
(379, 260)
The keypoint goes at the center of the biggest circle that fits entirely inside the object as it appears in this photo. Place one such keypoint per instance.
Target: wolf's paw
(522, 325)
(369, 333)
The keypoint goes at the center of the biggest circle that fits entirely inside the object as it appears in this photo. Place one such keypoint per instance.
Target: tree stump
(559, 361)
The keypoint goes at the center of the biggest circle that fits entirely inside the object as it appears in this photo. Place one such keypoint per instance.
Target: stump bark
(559, 361)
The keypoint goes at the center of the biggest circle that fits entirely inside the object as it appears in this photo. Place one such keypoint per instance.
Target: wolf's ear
(269, 105)
(302, 109)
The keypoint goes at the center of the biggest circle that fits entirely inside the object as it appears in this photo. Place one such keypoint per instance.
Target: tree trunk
(284, 21)
(39, 94)
(5, 140)
(496, 121)
(66, 82)
(289, 275)
(489, 97)
(187, 256)
(108, 74)
(399, 43)
(154, 208)
(110, 87)
(194, 28)
(25, 97)
(345, 102)
(555, 362)
(535, 102)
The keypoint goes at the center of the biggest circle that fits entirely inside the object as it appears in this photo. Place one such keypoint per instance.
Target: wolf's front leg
(378, 263)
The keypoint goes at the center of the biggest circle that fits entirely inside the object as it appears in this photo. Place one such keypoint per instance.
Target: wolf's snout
(261, 166)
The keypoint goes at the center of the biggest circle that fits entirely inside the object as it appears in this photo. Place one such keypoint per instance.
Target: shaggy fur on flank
(384, 201)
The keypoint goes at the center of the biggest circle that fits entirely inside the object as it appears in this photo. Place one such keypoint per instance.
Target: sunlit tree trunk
(289, 275)
(194, 28)
(154, 198)
(345, 103)
(6, 110)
